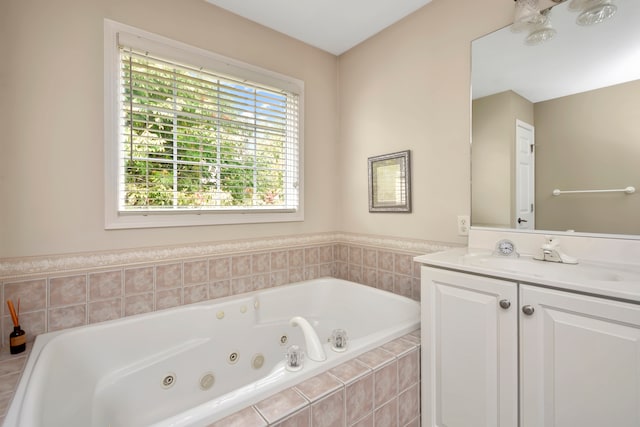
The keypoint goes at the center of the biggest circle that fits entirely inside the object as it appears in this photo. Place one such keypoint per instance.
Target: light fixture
(528, 17)
(540, 34)
(595, 14)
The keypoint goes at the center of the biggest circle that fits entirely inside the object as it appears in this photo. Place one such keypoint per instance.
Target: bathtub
(195, 364)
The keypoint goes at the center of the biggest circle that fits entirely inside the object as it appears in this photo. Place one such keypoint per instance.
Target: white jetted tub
(195, 364)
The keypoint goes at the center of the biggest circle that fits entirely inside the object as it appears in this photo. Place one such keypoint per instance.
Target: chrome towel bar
(628, 190)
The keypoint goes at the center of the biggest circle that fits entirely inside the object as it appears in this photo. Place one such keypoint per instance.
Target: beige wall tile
(319, 386)
(241, 265)
(196, 272)
(409, 405)
(385, 281)
(370, 277)
(325, 254)
(261, 281)
(9, 382)
(138, 280)
(370, 258)
(403, 264)
(169, 276)
(241, 285)
(355, 255)
(138, 304)
(311, 272)
(105, 285)
(329, 412)
(220, 289)
(248, 417)
(279, 260)
(355, 273)
(311, 256)
(67, 317)
(100, 311)
(350, 371)
(32, 295)
(387, 415)
(296, 275)
(219, 269)
(168, 298)
(67, 290)
(196, 293)
(327, 270)
(385, 260)
(280, 405)
(12, 364)
(301, 418)
(279, 278)
(341, 252)
(296, 258)
(386, 383)
(342, 270)
(359, 398)
(261, 263)
(364, 422)
(408, 370)
(375, 358)
(399, 346)
(403, 285)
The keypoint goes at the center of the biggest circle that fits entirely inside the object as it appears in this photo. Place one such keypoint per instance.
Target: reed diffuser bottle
(17, 338)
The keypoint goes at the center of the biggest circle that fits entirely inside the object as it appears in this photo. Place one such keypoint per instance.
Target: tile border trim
(21, 267)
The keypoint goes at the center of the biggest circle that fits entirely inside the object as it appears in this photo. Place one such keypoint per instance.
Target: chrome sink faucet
(550, 251)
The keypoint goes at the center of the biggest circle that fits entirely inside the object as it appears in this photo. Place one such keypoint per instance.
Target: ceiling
(331, 25)
(576, 60)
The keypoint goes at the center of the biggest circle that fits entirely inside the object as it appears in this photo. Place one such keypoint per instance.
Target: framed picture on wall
(390, 182)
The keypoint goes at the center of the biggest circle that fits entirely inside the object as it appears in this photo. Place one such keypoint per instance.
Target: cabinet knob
(505, 303)
(528, 310)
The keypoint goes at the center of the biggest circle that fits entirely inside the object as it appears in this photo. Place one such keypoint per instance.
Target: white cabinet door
(580, 360)
(469, 356)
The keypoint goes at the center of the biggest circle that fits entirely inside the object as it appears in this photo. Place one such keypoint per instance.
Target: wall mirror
(560, 115)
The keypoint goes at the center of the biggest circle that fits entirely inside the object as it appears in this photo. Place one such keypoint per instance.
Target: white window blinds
(192, 139)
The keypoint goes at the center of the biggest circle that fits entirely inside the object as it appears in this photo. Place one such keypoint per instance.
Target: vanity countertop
(619, 281)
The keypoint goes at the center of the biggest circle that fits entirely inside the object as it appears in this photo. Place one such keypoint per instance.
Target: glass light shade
(596, 14)
(527, 14)
(540, 35)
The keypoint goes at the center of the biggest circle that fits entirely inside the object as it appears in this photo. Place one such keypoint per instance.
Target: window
(193, 138)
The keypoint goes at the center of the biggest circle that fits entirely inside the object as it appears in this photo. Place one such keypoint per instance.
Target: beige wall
(589, 141)
(51, 175)
(405, 88)
(408, 88)
(493, 157)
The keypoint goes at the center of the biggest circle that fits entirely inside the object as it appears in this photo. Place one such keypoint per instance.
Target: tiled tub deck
(379, 388)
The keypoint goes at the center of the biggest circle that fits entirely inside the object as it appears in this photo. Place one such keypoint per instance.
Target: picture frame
(390, 182)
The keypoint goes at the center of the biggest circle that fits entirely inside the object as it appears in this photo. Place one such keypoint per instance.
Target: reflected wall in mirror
(564, 115)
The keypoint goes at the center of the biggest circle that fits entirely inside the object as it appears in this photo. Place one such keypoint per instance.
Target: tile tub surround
(62, 292)
(379, 388)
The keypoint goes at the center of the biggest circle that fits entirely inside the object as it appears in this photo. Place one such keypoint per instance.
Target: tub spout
(314, 345)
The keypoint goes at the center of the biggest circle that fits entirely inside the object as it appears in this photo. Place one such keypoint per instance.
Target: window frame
(116, 33)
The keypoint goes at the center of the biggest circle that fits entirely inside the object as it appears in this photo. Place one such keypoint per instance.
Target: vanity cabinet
(470, 350)
(499, 353)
